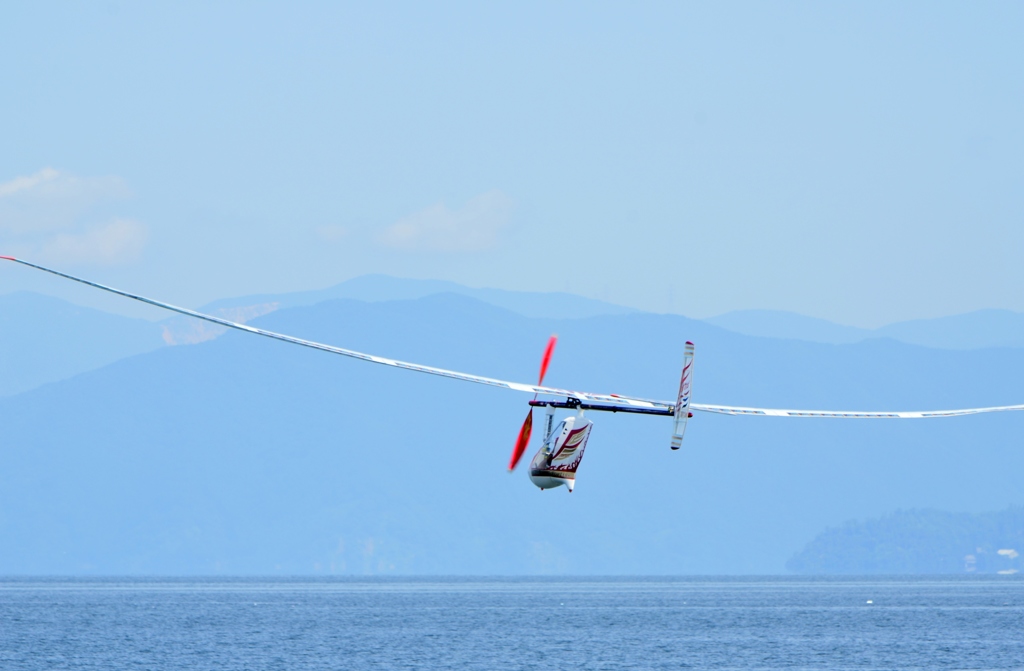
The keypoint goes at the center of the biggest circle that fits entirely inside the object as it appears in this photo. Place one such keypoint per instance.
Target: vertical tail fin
(682, 409)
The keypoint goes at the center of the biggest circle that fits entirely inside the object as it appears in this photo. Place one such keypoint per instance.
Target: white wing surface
(609, 399)
(848, 414)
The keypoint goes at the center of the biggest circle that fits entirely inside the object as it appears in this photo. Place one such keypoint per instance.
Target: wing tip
(8, 258)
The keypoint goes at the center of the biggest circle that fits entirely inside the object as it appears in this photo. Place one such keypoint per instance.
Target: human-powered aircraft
(561, 451)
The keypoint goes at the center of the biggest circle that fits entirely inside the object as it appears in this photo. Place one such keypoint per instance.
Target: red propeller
(524, 433)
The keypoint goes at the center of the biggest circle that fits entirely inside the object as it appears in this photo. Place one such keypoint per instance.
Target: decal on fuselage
(561, 454)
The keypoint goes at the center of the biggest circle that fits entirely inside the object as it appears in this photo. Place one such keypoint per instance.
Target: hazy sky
(861, 162)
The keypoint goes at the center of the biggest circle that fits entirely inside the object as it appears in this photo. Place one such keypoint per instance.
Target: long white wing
(848, 414)
(517, 386)
(609, 399)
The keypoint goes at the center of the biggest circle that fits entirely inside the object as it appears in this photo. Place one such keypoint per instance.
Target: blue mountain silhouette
(247, 456)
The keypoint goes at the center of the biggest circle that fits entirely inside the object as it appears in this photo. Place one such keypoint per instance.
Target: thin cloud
(118, 241)
(49, 216)
(51, 200)
(473, 228)
(28, 182)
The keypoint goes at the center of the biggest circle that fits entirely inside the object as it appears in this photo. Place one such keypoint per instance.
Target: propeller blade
(522, 441)
(547, 358)
(524, 432)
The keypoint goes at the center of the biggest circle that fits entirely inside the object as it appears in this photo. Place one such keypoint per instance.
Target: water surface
(526, 623)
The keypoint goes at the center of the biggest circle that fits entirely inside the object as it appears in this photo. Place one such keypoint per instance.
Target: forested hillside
(918, 541)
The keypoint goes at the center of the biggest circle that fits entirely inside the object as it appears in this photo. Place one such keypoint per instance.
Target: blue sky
(861, 162)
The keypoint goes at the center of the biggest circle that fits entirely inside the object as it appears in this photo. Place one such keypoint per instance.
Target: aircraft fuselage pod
(558, 458)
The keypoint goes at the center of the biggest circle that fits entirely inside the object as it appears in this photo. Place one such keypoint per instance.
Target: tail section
(682, 407)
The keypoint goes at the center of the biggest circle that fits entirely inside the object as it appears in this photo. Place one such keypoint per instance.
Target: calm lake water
(527, 623)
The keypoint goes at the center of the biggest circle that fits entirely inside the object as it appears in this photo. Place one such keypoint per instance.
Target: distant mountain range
(372, 288)
(974, 330)
(246, 456)
(33, 327)
(918, 542)
(44, 339)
